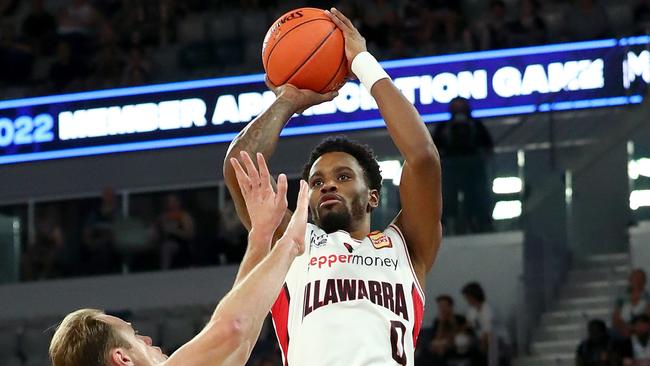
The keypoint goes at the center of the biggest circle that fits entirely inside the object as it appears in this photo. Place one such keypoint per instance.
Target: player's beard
(335, 220)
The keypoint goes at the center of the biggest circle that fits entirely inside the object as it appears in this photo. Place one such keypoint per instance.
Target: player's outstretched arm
(266, 207)
(261, 136)
(231, 333)
(420, 187)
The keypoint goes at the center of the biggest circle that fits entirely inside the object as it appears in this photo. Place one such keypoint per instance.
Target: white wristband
(368, 70)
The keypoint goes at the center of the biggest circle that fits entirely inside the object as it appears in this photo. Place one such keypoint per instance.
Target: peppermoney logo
(359, 260)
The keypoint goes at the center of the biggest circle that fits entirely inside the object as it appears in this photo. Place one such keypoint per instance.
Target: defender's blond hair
(84, 340)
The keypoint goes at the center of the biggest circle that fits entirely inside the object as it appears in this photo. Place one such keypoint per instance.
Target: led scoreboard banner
(503, 82)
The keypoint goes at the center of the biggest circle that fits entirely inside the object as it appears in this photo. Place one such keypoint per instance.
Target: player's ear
(373, 199)
(119, 357)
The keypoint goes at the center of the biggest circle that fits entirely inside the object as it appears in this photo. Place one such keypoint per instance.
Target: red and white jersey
(349, 302)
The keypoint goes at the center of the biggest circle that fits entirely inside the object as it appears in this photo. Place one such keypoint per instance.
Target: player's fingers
(242, 178)
(343, 18)
(300, 214)
(336, 20)
(269, 84)
(326, 97)
(281, 196)
(303, 202)
(250, 169)
(265, 176)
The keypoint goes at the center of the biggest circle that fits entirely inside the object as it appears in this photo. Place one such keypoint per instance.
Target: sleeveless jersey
(349, 302)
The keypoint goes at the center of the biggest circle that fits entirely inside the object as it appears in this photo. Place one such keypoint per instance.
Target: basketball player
(354, 297)
(90, 337)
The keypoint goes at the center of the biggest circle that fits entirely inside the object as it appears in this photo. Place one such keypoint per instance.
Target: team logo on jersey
(317, 240)
(348, 247)
(380, 240)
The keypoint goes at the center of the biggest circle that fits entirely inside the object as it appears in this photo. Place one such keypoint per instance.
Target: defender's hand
(300, 99)
(294, 235)
(265, 207)
(354, 42)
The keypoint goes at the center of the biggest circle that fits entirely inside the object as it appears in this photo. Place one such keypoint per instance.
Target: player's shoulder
(315, 236)
(394, 231)
(313, 231)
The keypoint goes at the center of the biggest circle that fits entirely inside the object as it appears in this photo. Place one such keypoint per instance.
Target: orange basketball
(305, 48)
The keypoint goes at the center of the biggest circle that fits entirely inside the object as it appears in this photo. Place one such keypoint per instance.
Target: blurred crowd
(626, 342)
(76, 239)
(476, 338)
(71, 45)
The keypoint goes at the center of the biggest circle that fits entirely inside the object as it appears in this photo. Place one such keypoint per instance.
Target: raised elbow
(230, 332)
(236, 328)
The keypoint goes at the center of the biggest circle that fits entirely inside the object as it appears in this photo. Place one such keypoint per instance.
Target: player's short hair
(641, 271)
(642, 318)
(82, 339)
(446, 298)
(597, 325)
(475, 291)
(362, 152)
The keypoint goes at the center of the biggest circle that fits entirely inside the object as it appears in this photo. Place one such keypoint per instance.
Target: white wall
(494, 259)
(136, 291)
(640, 246)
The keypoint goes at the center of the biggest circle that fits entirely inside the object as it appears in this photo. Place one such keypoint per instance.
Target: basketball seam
(335, 73)
(285, 34)
(312, 53)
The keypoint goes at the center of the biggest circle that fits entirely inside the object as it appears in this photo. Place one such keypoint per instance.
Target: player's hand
(265, 207)
(300, 99)
(294, 235)
(354, 42)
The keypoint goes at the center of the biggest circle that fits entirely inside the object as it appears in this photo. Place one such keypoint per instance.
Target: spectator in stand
(8, 7)
(78, 17)
(466, 147)
(174, 233)
(637, 348)
(67, 72)
(449, 28)
(377, 24)
(98, 252)
(493, 33)
(39, 28)
(138, 68)
(492, 336)
(79, 24)
(141, 23)
(599, 349)
(479, 316)
(415, 28)
(586, 19)
(635, 303)
(109, 9)
(16, 56)
(44, 256)
(169, 13)
(446, 326)
(108, 64)
(397, 47)
(642, 17)
(466, 351)
(529, 28)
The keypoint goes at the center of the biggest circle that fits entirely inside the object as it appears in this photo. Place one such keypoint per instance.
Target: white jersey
(349, 302)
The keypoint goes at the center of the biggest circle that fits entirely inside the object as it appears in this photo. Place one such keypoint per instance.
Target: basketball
(305, 49)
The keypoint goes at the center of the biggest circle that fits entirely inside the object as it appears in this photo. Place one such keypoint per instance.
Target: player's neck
(361, 230)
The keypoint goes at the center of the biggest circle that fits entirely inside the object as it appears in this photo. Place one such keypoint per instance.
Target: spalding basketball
(305, 49)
